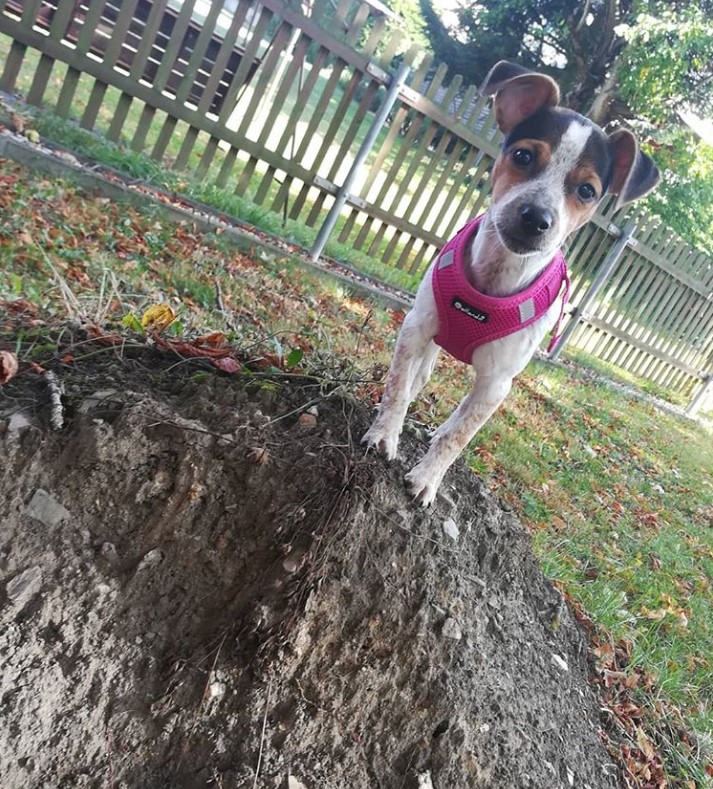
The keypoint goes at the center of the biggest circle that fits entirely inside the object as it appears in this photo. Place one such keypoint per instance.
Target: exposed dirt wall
(195, 584)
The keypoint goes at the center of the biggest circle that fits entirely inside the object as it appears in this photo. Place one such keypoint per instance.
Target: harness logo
(471, 312)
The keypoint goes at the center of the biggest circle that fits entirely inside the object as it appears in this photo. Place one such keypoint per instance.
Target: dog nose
(535, 220)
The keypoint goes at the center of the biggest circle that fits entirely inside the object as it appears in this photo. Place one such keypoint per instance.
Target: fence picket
(13, 63)
(120, 114)
(40, 80)
(223, 57)
(148, 39)
(427, 131)
(377, 166)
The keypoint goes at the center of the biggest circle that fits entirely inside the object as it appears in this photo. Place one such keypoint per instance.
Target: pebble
(23, 587)
(217, 690)
(109, 552)
(18, 421)
(450, 528)
(451, 629)
(307, 420)
(151, 559)
(425, 781)
(560, 662)
(103, 398)
(45, 508)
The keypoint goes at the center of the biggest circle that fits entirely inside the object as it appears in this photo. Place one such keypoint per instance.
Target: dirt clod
(198, 614)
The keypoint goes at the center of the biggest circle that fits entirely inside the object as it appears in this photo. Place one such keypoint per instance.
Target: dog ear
(635, 174)
(518, 93)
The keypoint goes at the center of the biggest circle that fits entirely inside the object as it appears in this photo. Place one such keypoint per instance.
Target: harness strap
(556, 333)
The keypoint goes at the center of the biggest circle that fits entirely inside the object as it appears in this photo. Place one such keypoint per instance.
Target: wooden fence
(272, 103)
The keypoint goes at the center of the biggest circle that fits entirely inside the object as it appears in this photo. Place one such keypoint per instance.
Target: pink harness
(468, 318)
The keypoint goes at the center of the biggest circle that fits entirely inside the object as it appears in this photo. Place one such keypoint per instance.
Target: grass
(138, 164)
(618, 495)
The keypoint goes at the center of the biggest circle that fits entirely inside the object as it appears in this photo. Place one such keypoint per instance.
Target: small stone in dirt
(293, 562)
(46, 509)
(293, 783)
(216, 691)
(18, 421)
(451, 629)
(425, 781)
(560, 662)
(102, 398)
(307, 420)
(22, 588)
(450, 528)
(108, 551)
(151, 559)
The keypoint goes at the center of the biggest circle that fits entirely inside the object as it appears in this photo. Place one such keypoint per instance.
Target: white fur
(493, 269)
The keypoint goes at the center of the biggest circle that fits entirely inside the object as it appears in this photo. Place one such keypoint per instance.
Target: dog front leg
(454, 435)
(413, 360)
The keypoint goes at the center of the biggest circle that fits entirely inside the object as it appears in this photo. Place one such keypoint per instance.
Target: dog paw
(421, 485)
(385, 443)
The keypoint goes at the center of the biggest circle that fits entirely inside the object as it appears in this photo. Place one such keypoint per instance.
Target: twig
(262, 736)
(218, 296)
(56, 392)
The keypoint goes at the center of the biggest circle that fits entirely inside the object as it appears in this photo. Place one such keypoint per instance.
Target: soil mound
(200, 588)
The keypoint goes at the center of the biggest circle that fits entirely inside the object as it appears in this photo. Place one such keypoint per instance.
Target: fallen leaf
(645, 744)
(158, 317)
(215, 340)
(8, 366)
(227, 364)
(659, 613)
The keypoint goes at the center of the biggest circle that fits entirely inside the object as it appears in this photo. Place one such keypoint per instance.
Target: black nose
(535, 220)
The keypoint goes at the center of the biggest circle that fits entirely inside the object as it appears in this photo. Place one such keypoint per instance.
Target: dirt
(200, 585)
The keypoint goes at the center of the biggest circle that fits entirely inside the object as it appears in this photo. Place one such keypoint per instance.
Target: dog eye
(522, 157)
(586, 192)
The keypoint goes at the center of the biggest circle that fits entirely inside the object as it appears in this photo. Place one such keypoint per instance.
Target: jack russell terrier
(501, 283)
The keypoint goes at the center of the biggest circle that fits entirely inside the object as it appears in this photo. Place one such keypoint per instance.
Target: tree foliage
(668, 62)
(622, 62)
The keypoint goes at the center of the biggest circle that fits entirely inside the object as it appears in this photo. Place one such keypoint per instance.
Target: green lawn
(232, 193)
(617, 494)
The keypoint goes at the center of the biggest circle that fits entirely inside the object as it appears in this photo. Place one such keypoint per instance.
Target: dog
(498, 287)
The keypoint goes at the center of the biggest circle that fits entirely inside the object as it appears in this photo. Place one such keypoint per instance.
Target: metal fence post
(598, 283)
(398, 81)
(701, 395)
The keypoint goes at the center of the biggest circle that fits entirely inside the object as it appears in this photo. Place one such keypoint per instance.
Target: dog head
(556, 165)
